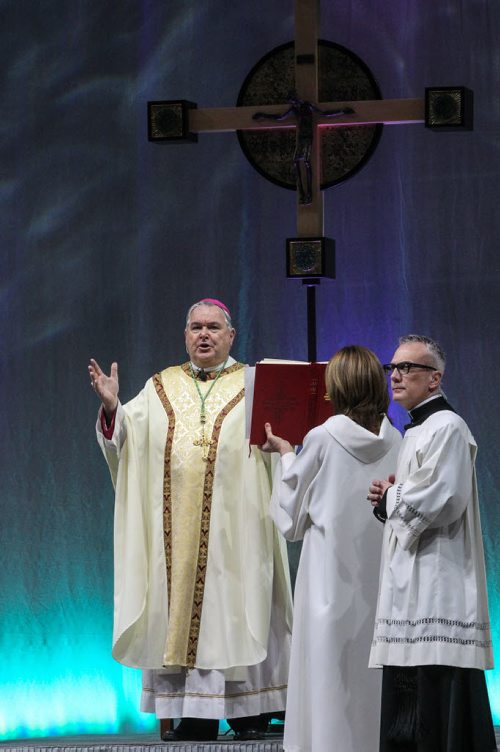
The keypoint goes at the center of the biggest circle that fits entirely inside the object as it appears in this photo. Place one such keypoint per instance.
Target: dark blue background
(107, 239)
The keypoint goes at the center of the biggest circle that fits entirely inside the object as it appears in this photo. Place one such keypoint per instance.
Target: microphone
(202, 375)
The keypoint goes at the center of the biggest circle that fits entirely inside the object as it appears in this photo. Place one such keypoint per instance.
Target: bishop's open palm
(106, 387)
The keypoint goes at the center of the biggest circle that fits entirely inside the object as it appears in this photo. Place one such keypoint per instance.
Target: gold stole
(187, 496)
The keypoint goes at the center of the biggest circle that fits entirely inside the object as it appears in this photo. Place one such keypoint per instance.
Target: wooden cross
(310, 221)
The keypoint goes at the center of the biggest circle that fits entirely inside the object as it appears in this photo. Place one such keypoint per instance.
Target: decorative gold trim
(213, 374)
(167, 494)
(199, 588)
(201, 566)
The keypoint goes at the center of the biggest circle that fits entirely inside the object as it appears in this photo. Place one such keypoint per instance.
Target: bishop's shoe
(193, 729)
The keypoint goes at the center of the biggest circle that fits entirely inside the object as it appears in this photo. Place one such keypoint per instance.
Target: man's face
(208, 337)
(418, 385)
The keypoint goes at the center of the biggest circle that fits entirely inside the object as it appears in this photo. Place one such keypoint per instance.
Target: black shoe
(193, 729)
(170, 735)
(249, 735)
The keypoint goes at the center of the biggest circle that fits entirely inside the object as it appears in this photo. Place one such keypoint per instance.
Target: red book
(291, 397)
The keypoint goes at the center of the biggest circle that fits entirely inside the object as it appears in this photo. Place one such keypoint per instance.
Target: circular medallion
(343, 77)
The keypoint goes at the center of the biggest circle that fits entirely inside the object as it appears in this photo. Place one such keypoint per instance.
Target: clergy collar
(197, 370)
(425, 409)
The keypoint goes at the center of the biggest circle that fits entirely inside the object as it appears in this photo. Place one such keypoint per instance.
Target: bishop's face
(417, 385)
(208, 337)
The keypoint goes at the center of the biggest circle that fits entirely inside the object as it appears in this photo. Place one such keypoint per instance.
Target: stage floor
(144, 743)
(139, 743)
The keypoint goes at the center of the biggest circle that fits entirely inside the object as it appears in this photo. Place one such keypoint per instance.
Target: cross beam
(367, 112)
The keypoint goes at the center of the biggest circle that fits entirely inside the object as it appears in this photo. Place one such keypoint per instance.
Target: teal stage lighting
(68, 690)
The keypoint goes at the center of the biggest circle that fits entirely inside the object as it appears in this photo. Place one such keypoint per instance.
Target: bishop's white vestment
(333, 698)
(202, 593)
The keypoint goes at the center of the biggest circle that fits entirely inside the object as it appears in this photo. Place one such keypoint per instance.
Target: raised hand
(106, 387)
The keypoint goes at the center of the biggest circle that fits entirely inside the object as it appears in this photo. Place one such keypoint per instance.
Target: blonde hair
(357, 386)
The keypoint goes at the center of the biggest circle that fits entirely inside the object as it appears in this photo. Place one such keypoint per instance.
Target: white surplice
(196, 552)
(333, 698)
(433, 606)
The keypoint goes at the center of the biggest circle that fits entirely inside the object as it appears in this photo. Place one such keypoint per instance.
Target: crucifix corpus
(309, 115)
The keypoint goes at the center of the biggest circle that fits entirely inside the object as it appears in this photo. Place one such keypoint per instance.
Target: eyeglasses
(405, 367)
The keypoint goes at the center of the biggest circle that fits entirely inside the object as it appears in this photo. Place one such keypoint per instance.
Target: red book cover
(291, 397)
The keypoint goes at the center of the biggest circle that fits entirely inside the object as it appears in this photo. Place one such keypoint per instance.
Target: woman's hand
(275, 443)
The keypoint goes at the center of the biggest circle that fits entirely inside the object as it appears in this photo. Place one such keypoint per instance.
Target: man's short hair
(433, 347)
(210, 304)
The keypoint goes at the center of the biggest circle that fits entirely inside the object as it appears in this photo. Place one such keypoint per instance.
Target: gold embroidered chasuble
(198, 562)
(188, 487)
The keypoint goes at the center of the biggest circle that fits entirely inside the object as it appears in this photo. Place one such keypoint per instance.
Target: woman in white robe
(319, 496)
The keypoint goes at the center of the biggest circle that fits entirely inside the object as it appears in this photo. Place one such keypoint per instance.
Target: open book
(290, 395)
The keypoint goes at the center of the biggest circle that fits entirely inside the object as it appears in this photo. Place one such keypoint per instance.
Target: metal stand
(311, 285)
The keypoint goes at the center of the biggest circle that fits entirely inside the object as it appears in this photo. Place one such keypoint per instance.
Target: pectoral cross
(205, 443)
